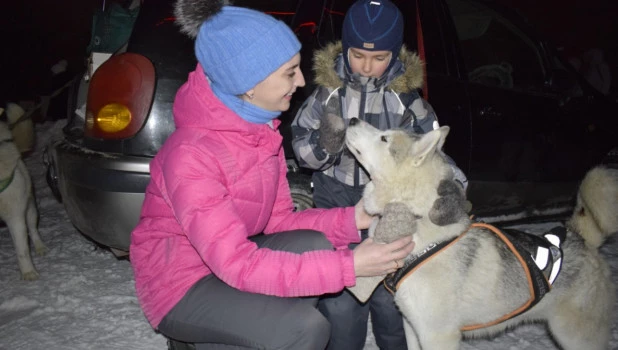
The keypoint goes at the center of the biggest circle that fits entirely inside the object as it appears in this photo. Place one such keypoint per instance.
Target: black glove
(451, 205)
(332, 133)
(332, 128)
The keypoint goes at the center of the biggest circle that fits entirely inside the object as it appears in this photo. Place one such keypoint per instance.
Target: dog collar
(4, 183)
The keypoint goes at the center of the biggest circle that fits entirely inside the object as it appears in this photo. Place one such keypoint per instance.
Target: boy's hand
(332, 133)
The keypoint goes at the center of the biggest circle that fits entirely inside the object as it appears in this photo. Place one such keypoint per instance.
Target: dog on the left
(17, 204)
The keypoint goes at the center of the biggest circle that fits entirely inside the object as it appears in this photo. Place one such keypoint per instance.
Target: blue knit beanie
(237, 47)
(373, 25)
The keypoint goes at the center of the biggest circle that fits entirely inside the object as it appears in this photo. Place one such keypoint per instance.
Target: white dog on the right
(466, 279)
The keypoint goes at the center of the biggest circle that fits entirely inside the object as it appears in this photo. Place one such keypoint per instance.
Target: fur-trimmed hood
(407, 77)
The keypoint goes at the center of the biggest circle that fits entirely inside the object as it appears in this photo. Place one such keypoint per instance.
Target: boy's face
(369, 63)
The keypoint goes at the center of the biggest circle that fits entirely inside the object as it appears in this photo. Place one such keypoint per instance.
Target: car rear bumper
(102, 193)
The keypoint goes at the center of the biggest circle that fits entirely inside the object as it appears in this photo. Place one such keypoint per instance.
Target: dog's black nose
(354, 121)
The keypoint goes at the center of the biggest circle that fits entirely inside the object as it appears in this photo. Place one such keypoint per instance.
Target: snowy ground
(85, 299)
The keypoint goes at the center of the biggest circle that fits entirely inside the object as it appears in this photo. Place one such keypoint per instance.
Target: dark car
(524, 126)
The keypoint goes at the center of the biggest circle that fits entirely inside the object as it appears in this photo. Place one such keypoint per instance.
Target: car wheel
(51, 176)
(300, 188)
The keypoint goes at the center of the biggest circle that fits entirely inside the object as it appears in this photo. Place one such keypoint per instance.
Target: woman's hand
(379, 259)
(363, 220)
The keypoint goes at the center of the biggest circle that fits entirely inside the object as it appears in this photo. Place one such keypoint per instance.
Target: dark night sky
(38, 33)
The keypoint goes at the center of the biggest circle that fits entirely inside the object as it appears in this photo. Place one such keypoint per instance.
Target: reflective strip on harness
(539, 273)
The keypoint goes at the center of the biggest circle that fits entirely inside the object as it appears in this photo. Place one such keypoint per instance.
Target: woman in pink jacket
(209, 268)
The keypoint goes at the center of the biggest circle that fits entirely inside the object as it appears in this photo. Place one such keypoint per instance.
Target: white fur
(23, 131)
(18, 207)
(471, 282)
(595, 212)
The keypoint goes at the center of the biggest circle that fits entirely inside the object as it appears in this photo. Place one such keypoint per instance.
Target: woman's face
(368, 63)
(275, 92)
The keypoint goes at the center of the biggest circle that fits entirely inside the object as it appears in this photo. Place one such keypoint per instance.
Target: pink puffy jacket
(216, 181)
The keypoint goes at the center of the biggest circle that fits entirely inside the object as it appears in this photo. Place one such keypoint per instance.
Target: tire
(301, 190)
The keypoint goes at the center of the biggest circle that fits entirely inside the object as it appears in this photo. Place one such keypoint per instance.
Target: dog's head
(594, 216)
(410, 169)
(403, 167)
(386, 154)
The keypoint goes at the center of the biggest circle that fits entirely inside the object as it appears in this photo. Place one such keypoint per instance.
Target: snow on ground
(85, 298)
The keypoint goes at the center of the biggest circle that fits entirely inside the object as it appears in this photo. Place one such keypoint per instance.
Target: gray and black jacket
(389, 102)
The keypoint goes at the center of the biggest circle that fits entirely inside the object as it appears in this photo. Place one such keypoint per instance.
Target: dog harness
(4, 183)
(539, 256)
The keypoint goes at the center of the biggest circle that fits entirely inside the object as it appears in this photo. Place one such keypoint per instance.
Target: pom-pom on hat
(237, 47)
(373, 25)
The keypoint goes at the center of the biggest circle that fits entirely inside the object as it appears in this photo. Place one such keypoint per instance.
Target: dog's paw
(40, 248)
(30, 276)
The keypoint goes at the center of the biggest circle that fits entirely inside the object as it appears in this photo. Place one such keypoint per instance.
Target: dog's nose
(354, 121)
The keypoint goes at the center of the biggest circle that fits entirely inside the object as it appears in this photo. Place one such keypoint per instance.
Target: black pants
(214, 315)
(348, 317)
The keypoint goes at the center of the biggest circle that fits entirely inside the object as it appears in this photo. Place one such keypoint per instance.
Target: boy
(375, 79)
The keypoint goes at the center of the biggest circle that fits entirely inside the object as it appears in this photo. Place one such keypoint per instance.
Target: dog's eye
(384, 139)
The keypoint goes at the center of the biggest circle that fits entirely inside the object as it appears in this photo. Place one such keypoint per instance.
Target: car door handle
(489, 112)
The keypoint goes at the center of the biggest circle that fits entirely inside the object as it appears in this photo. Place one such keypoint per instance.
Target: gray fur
(190, 14)
(450, 207)
(471, 253)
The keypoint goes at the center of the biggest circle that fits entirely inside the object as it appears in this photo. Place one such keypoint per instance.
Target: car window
(496, 52)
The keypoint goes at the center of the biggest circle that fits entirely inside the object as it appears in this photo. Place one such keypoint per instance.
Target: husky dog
(17, 205)
(473, 280)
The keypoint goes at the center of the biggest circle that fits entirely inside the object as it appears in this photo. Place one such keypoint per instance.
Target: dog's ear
(428, 144)
(444, 130)
(401, 146)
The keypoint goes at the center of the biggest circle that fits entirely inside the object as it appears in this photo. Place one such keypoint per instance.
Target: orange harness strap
(523, 263)
(393, 282)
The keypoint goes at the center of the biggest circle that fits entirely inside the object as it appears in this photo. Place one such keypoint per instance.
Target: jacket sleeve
(203, 207)
(419, 117)
(305, 135)
(337, 224)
